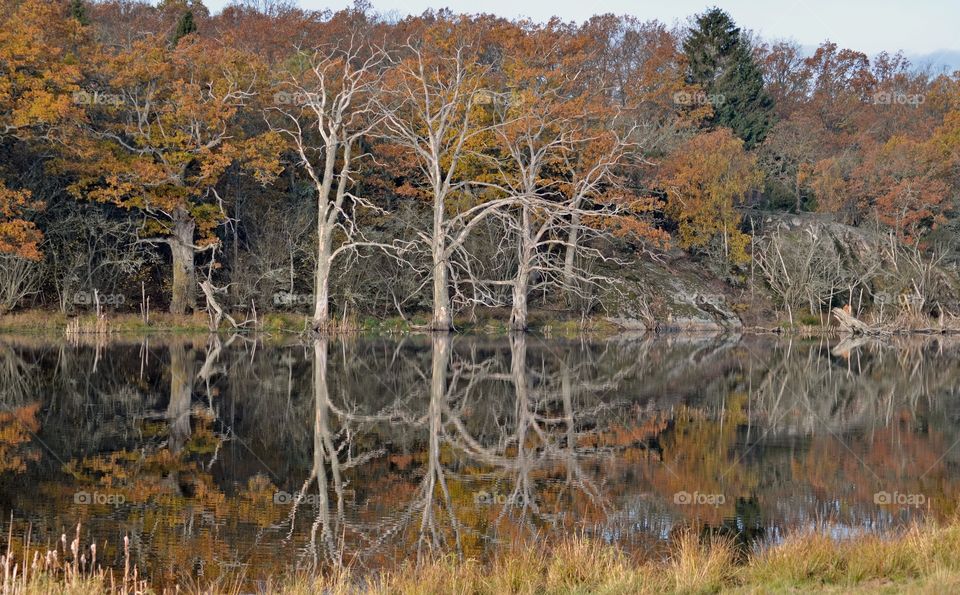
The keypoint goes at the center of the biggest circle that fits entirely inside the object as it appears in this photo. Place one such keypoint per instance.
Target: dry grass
(922, 560)
(69, 569)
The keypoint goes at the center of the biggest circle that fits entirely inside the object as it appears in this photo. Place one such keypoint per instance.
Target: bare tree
(429, 109)
(87, 249)
(325, 111)
(800, 271)
(19, 278)
(550, 207)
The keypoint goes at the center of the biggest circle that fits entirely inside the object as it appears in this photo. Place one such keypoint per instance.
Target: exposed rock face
(855, 247)
(677, 294)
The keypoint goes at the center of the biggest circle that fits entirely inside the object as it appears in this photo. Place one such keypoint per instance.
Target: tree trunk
(440, 362)
(181, 391)
(433, 474)
(184, 296)
(521, 282)
(442, 318)
(325, 453)
(569, 259)
(518, 311)
(321, 289)
(321, 284)
(524, 463)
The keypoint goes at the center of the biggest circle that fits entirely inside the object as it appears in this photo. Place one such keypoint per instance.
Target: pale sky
(918, 27)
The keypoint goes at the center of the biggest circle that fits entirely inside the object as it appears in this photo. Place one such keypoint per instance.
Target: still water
(218, 456)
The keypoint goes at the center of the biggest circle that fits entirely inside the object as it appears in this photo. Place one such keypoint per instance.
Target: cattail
(126, 561)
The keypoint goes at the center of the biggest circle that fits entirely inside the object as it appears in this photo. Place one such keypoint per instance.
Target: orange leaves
(38, 81)
(18, 236)
(704, 180)
(17, 428)
(904, 183)
(173, 128)
(629, 219)
(898, 181)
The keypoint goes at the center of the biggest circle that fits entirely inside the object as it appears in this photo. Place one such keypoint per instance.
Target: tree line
(357, 162)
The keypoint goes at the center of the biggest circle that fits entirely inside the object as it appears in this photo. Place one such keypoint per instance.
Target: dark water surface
(199, 448)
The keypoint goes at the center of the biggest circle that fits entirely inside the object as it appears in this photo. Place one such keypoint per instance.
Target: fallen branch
(218, 313)
(853, 325)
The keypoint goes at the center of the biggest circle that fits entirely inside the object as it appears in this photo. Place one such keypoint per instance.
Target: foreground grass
(921, 560)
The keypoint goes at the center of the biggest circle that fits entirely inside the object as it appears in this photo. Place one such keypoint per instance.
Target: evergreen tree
(720, 61)
(79, 12)
(185, 26)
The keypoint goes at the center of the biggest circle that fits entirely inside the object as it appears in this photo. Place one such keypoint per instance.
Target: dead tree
(428, 110)
(325, 111)
(556, 172)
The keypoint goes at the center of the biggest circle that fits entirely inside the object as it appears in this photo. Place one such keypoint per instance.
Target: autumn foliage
(705, 181)
(167, 118)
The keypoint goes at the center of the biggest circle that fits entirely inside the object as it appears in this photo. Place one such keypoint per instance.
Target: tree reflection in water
(230, 453)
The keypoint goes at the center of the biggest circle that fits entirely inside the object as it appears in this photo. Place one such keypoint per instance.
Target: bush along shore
(922, 559)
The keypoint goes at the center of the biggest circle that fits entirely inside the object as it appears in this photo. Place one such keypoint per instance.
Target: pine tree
(720, 61)
(78, 11)
(185, 26)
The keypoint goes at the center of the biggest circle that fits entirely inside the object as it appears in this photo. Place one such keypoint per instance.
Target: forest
(346, 165)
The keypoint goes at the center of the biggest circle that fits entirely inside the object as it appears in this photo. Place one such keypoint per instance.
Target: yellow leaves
(37, 84)
(704, 180)
(261, 156)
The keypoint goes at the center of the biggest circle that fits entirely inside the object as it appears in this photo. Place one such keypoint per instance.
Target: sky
(918, 27)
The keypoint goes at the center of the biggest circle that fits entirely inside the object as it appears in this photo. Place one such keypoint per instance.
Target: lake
(222, 455)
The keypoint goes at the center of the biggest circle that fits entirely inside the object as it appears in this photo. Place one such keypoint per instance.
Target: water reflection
(219, 454)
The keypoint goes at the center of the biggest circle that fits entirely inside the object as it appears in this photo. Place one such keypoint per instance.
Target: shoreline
(47, 323)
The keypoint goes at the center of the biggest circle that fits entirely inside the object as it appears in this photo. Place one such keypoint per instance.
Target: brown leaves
(17, 428)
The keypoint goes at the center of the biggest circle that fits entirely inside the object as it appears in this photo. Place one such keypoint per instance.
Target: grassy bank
(488, 322)
(491, 321)
(923, 559)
